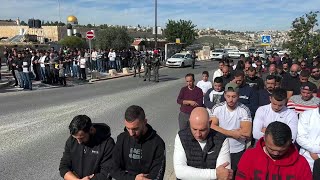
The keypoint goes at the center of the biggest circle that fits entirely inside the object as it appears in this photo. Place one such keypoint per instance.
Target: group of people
(269, 114)
(237, 127)
(54, 66)
(91, 153)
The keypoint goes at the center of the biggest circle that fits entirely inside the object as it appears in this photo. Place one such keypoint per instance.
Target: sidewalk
(8, 80)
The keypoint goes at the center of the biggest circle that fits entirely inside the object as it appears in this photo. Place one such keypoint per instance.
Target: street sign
(265, 40)
(178, 41)
(90, 35)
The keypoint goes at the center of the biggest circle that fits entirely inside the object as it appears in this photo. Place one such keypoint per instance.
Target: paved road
(33, 124)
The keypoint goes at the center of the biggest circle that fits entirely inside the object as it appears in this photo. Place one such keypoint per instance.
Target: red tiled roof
(136, 43)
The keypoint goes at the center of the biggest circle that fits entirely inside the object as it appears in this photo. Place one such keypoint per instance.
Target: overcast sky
(238, 15)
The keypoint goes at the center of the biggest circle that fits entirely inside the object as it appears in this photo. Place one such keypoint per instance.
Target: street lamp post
(156, 24)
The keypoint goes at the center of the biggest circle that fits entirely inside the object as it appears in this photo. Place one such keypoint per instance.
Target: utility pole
(156, 24)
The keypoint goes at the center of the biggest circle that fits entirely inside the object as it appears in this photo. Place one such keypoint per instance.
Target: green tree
(61, 24)
(185, 30)
(22, 23)
(89, 25)
(303, 41)
(113, 37)
(73, 42)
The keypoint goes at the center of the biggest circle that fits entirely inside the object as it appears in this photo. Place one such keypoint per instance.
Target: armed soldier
(155, 67)
(147, 67)
(136, 63)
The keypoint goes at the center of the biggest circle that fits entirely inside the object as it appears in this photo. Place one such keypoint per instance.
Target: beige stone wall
(50, 32)
(53, 33)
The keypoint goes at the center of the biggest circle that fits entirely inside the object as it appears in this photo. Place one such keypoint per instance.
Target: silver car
(180, 60)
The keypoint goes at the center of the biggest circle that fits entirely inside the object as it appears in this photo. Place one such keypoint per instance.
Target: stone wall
(50, 32)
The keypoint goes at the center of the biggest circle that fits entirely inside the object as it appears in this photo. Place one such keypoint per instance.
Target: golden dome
(72, 19)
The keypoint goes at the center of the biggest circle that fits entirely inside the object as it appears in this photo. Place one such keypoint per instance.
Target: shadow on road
(167, 79)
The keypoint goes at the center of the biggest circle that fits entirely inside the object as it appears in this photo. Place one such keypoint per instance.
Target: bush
(73, 42)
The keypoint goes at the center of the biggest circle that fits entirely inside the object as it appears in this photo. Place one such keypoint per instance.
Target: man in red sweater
(274, 157)
(189, 98)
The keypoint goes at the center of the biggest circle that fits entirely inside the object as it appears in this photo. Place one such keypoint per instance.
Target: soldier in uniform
(147, 68)
(136, 63)
(155, 67)
(193, 59)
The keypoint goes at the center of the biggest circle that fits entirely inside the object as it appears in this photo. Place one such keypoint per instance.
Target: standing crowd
(54, 66)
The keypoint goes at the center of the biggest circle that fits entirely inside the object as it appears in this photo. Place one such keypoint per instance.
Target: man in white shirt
(112, 59)
(196, 142)
(232, 119)
(275, 111)
(218, 72)
(309, 135)
(204, 84)
(94, 56)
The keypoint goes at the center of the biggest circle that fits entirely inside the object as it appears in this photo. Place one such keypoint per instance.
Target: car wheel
(182, 64)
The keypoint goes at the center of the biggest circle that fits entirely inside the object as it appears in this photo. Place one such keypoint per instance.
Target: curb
(115, 77)
(5, 84)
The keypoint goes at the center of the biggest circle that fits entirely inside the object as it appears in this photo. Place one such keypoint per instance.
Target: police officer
(136, 63)
(193, 59)
(155, 67)
(147, 68)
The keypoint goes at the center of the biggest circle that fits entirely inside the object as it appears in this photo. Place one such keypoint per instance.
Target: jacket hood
(103, 132)
(148, 135)
(289, 159)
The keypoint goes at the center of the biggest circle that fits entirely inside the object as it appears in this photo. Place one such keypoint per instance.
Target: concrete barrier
(126, 71)
(96, 75)
(112, 72)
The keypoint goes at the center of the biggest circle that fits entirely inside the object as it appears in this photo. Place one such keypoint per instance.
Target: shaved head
(199, 123)
(295, 67)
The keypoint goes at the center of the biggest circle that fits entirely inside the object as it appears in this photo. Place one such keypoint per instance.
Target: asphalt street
(34, 124)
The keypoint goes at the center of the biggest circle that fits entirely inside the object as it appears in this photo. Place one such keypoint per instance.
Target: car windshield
(178, 56)
(218, 50)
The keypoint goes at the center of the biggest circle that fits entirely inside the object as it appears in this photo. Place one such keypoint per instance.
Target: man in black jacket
(88, 151)
(253, 80)
(139, 153)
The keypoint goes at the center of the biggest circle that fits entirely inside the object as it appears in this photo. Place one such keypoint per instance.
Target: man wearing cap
(305, 100)
(275, 111)
(232, 119)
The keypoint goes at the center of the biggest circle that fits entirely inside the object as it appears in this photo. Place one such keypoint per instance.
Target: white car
(261, 54)
(219, 54)
(180, 60)
(245, 53)
(281, 53)
(234, 53)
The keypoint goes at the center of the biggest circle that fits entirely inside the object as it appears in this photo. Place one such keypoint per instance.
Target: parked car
(282, 52)
(245, 53)
(261, 54)
(180, 60)
(269, 50)
(218, 54)
(233, 53)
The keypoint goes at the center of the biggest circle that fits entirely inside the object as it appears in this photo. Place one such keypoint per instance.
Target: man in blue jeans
(26, 72)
